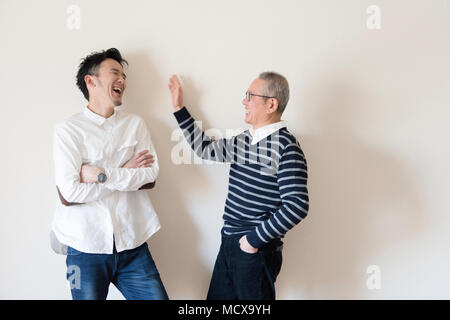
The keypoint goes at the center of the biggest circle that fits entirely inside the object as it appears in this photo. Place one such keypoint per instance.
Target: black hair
(90, 64)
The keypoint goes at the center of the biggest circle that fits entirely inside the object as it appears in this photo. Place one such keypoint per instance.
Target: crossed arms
(150, 185)
(75, 181)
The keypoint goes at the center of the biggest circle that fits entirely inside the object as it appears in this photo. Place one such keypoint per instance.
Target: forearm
(147, 186)
(79, 193)
(64, 201)
(203, 146)
(279, 223)
(130, 179)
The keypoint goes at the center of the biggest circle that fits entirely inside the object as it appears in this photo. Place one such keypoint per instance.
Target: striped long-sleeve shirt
(267, 191)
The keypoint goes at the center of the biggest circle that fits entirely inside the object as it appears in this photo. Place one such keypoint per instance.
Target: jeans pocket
(277, 261)
(273, 260)
(248, 253)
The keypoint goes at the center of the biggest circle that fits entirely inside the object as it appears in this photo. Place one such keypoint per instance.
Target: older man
(267, 192)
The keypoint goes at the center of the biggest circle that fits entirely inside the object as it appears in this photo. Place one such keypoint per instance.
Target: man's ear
(89, 81)
(273, 105)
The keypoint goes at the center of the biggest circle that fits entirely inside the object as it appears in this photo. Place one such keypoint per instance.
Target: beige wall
(370, 109)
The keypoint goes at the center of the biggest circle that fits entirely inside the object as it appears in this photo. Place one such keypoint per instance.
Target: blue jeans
(133, 272)
(239, 275)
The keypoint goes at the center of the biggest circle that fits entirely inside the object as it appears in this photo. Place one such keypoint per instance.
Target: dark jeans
(133, 272)
(245, 276)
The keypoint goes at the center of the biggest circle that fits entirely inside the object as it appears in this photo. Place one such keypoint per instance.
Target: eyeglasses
(248, 96)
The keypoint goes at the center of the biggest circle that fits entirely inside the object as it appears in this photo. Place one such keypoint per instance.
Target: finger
(172, 88)
(142, 152)
(148, 155)
(141, 155)
(142, 158)
(145, 162)
(174, 80)
(177, 82)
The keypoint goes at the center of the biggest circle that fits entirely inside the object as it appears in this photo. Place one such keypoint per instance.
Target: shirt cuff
(254, 240)
(182, 115)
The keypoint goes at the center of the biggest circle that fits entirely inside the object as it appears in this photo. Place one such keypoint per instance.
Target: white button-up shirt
(115, 207)
(263, 132)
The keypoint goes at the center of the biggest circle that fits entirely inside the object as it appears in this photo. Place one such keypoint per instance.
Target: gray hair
(276, 86)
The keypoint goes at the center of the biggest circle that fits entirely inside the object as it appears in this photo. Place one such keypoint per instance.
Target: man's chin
(117, 103)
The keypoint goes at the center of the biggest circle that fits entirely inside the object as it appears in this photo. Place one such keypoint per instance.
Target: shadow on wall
(175, 247)
(363, 201)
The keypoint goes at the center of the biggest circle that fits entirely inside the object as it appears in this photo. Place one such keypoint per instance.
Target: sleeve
(132, 179)
(292, 181)
(221, 150)
(68, 161)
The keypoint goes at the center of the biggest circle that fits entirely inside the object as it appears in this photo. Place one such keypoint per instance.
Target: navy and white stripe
(267, 191)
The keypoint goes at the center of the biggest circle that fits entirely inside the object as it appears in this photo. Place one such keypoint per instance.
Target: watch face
(101, 177)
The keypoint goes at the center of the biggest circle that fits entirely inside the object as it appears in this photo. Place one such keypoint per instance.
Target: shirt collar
(98, 119)
(263, 132)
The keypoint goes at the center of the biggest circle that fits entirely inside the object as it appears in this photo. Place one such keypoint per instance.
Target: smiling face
(259, 111)
(109, 83)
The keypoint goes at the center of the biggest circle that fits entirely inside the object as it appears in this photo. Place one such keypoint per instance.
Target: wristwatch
(101, 177)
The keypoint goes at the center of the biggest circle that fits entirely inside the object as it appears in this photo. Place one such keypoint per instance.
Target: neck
(104, 110)
(266, 123)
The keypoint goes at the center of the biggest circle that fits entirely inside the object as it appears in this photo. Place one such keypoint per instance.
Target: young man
(267, 191)
(104, 158)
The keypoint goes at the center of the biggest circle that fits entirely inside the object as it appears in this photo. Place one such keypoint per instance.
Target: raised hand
(177, 93)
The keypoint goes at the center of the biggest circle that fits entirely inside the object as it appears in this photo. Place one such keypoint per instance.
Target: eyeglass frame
(248, 96)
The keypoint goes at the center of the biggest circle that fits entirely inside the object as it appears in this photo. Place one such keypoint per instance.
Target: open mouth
(118, 90)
